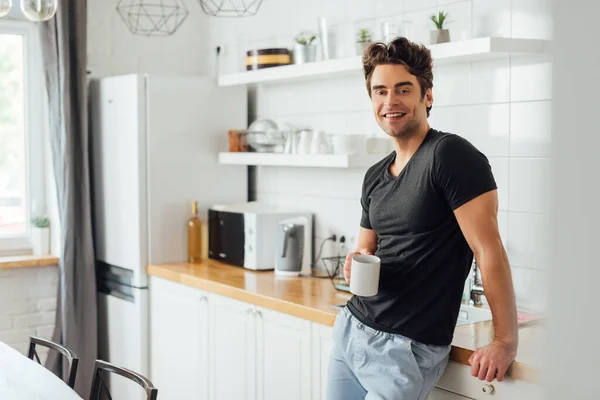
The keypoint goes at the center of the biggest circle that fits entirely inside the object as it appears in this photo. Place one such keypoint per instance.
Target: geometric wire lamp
(230, 8)
(152, 17)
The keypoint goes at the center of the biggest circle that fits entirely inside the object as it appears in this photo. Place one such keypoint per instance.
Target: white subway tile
(19, 306)
(16, 335)
(532, 19)
(45, 332)
(531, 129)
(500, 171)
(529, 240)
(360, 10)
(529, 185)
(6, 323)
(459, 20)
(452, 119)
(362, 122)
(452, 85)
(421, 25)
(490, 81)
(531, 78)
(491, 18)
(530, 289)
(489, 129)
(411, 5)
(28, 321)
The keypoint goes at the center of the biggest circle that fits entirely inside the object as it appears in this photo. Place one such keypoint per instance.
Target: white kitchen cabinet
(283, 351)
(441, 394)
(321, 350)
(232, 350)
(457, 378)
(178, 340)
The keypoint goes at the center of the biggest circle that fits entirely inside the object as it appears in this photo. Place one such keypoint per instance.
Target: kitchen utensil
(364, 275)
(292, 237)
(246, 234)
(318, 143)
(304, 141)
(267, 135)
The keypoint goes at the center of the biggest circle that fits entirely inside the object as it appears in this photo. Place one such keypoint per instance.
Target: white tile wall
(28, 305)
(530, 129)
(491, 18)
(529, 185)
(501, 106)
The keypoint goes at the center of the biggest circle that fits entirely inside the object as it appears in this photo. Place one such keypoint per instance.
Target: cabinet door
(440, 394)
(457, 379)
(283, 356)
(178, 340)
(232, 350)
(321, 349)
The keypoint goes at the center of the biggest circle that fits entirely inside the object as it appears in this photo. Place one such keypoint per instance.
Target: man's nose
(391, 99)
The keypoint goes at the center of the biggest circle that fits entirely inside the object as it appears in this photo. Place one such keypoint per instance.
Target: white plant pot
(40, 241)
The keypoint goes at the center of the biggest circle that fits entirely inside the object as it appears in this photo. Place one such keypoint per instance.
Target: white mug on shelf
(319, 143)
(304, 142)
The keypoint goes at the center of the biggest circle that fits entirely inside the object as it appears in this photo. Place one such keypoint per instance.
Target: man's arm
(367, 244)
(479, 224)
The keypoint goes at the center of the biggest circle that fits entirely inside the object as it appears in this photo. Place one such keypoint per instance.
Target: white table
(24, 379)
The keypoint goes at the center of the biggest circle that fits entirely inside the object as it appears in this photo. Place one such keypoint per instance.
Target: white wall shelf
(301, 160)
(480, 49)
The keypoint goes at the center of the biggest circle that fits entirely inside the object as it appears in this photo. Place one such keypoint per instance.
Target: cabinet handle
(259, 313)
(250, 310)
(204, 299)
(488, 389)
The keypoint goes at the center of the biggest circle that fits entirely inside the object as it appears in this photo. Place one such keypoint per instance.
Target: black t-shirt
(425, 258)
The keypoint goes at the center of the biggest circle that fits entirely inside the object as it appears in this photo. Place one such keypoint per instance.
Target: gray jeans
(369, 364)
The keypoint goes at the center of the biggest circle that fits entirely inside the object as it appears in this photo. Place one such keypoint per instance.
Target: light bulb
(39, 10)
(5, 6)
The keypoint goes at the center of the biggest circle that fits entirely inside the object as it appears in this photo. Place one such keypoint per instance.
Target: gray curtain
(64, 50)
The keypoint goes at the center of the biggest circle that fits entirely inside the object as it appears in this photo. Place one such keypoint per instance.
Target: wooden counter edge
(27, 261)
(459, 355)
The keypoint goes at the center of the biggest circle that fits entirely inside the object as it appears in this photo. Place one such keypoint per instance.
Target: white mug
(364, 275)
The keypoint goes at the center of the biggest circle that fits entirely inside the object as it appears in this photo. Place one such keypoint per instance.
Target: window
(21, 135)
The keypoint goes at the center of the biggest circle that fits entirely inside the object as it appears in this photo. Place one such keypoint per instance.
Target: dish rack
(334, 267)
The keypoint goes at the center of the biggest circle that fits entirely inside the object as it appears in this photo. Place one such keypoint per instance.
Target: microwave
(246, 234)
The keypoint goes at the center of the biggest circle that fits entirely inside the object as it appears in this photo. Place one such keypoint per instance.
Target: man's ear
(428, 97)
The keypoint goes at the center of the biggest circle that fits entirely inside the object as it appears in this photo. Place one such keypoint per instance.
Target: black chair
(100, 386)
(68, 354)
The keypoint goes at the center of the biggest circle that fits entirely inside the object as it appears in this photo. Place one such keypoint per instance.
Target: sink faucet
(476, 286)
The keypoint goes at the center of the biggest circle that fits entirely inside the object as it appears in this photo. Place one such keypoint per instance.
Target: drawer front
(457, 379)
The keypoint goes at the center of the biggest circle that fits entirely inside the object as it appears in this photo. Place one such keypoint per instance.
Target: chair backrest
(99, 384)
(67, 353)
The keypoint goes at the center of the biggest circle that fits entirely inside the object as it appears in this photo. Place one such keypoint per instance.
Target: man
(428, 208)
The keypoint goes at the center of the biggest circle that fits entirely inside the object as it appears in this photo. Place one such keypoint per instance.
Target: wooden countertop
(314, 299)
(27, 261)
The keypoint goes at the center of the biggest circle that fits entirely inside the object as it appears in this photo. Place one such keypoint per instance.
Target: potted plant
(40, 235)
(363, 40)
(305, 50)
(441, 34)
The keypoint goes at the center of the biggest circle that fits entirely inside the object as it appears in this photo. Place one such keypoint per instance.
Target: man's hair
(416, 58)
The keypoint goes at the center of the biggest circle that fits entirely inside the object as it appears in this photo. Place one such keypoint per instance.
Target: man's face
(397, 103)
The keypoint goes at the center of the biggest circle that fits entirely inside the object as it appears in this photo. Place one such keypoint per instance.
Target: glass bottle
(194, 236)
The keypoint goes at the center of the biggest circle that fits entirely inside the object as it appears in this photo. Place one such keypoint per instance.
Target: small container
(267, 58)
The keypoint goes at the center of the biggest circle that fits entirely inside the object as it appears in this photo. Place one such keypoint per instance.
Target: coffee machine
(294, 247)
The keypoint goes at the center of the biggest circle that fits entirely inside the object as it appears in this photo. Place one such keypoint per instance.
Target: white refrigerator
(154, 143)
